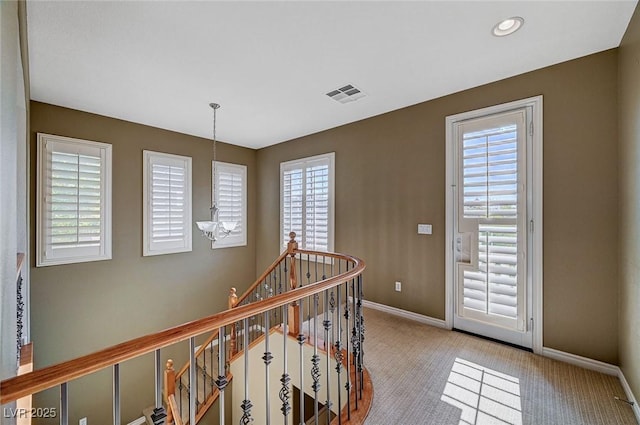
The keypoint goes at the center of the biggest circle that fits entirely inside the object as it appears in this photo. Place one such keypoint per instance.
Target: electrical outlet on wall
(83, 421)
(398, 286)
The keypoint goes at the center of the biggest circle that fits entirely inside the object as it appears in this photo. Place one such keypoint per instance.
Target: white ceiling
(270, 64)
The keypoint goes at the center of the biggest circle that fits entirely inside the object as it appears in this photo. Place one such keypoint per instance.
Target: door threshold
(520, 347)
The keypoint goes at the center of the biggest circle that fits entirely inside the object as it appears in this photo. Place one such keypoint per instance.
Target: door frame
(534, 220)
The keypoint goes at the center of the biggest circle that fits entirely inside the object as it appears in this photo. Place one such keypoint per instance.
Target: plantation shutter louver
(167, 227)
(73, 200)
(307, 202)
(490, 201)
(231, 200)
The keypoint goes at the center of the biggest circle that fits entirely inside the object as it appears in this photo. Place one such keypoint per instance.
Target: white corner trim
(438, 323)
(140, 421)
(584, 362)
(629, 393)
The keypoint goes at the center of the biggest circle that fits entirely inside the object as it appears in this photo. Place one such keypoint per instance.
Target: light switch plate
(425, 229)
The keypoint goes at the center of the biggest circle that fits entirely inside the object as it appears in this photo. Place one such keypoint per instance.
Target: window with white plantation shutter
(73, 201)
(231, 200)
(307, 201)
(167, 203)
(490, 201)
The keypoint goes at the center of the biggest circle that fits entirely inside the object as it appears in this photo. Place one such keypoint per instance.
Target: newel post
(233, 301)
(294, 308)
(169, 387)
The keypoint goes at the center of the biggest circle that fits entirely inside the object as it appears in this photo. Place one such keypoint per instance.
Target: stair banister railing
(266, 305)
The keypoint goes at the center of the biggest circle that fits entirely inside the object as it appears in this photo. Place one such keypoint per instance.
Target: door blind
(490, 173)
(490, 199)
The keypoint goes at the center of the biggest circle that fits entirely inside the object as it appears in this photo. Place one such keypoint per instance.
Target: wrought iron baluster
(246, 403)
(116, 394)
(327, 345)
(267, 361)
(301, 341)
(285, 379)
(360, 333)
(347, 316)
(19, 317)
(158, 378)
(64, 404)
(338, 349)
(315, 360)
(221, 382)
(355, 344)
(193, 390)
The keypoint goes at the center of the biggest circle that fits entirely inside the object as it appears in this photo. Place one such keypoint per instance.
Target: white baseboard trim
(584, 362)
(629, 394)
(438, 323)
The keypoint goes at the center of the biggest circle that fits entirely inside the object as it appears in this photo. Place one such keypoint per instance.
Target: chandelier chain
(213, 194)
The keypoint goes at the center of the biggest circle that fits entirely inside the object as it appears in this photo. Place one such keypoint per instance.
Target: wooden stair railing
(298, 278)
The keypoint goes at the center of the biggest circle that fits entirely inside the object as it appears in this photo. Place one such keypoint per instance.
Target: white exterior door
(491, 286)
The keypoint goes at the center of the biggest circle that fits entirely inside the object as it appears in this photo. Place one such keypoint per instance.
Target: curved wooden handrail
(48, 377)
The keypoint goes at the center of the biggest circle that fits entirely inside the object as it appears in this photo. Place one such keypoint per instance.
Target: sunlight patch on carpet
(485, 396)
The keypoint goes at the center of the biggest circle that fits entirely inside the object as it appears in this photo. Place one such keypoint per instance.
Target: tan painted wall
(80, 308)
(390, 176)
(629, 172)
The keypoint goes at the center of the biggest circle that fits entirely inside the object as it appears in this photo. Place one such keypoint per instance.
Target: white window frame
(330, 159)
(149, 247)
(235, 238)
(45, 255)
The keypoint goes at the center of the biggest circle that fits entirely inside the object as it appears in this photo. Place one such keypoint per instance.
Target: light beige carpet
(426, 375)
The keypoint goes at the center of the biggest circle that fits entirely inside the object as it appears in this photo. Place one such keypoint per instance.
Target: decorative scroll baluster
(347, 316)
(204, 375)
(327, 344)
(180, 388)
(355, 343)
(285, 379)
(19, 317)
(338, 350)
(360, 333)
(221, 382)
(246, 403)
(301, 340)
(267, 361)
(315, 360)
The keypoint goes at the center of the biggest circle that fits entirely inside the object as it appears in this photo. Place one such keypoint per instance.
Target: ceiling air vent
(346, 94)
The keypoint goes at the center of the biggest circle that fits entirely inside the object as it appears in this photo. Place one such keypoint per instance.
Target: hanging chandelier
(215, 229)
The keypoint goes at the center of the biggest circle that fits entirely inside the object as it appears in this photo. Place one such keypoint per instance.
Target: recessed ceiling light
(508, 26)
